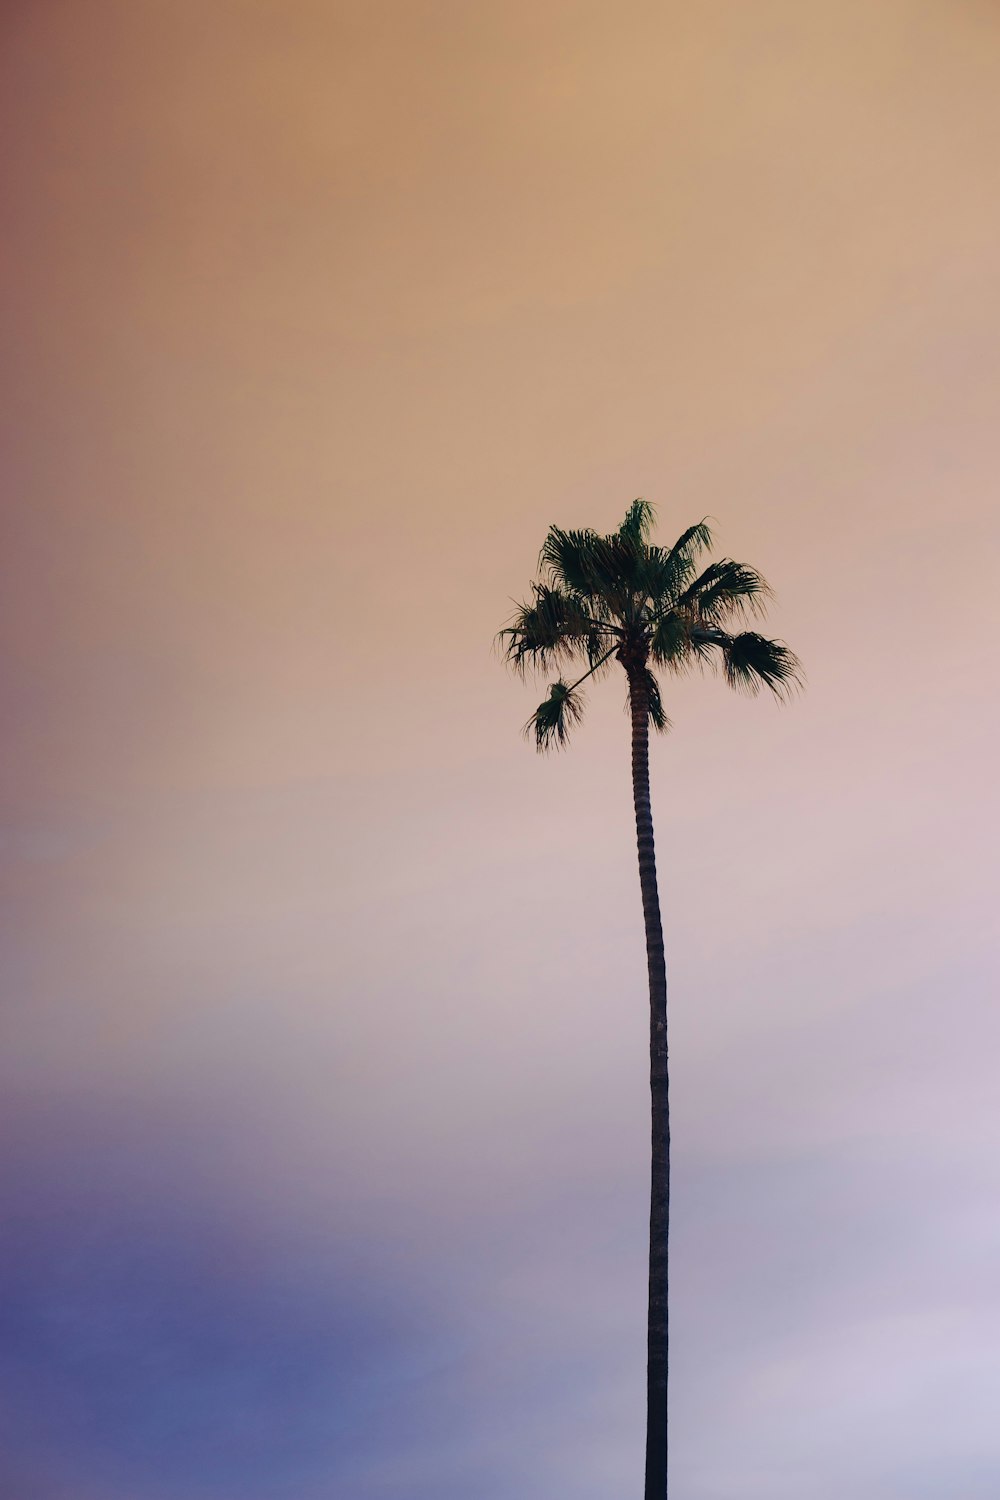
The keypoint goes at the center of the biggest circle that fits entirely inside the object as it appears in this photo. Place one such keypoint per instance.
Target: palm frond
(552, 720)
(690, 543)
(574, 560)
(663, 573)
(724, 590)
(657, 717)
(638, 522)
(676, 643)
(605, 571)
(670, 640)
(554, 626)
(752, 662)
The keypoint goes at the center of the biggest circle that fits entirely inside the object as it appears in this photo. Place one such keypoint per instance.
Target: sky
(323, 1075)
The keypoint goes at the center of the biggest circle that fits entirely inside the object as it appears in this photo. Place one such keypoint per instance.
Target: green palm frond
(663, 575)
(676, 643)
(752, 662)
(575, 560)
(631, 567)
(690, 543)
(554, 626)
(670, 641)
(552, 720)
(638, 522)
(605, 571)
(657, 717)
(726, 589)
(615, 572)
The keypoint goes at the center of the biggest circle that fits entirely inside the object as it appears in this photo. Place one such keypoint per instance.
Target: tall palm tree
(620, 598)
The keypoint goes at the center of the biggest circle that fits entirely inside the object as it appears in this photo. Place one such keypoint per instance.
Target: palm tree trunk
(659, 1087)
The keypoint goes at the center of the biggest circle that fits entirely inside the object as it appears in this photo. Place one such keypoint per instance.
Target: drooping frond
(725, 590)
(552, 720)
(555, 626)
(752, 662)
(657, 717)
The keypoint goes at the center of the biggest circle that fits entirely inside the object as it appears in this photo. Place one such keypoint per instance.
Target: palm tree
(619, 598)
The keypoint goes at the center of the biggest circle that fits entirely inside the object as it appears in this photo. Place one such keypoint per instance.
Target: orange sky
(317, 315)
(293, 282)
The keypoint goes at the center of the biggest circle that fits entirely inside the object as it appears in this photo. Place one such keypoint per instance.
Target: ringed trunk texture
(659, 1087)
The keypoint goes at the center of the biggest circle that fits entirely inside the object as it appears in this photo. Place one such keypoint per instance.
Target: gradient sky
(323, 1068)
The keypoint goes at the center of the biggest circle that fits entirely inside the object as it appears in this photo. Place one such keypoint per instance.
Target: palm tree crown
(621, 596)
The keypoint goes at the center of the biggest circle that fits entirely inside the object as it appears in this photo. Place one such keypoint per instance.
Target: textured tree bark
(659, 1087)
